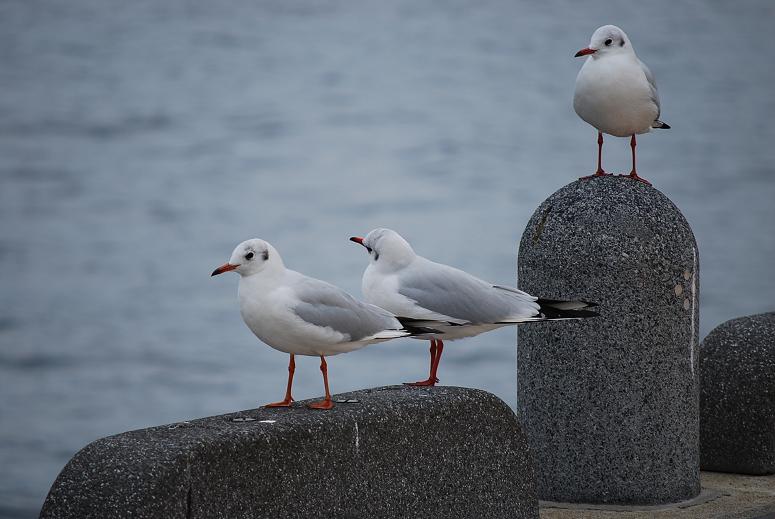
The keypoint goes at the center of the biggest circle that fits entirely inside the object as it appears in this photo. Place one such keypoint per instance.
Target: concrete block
(737, 396)
(386, 452)
(610, 404)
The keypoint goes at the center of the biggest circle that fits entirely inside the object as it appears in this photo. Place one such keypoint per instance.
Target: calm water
(141, 141)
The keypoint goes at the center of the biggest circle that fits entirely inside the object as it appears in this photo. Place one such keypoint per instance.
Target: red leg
(599, 172)
(439, 349)
(286, 402)
(634, 174)
(326, 403)
(432, 375)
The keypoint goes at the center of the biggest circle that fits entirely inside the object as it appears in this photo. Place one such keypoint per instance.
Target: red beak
(223, 268)
(357, 240)
(584, 52)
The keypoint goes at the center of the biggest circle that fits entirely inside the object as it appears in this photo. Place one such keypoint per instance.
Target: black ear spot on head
(622, 44)
(376, 255)
(265, 254)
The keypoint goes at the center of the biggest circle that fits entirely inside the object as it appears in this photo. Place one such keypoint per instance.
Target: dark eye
(249, 256)
(608, 42)
(368, 249)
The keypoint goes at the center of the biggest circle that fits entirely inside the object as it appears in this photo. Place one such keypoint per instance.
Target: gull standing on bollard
(301, 315)
(400, 281)
(616, 92)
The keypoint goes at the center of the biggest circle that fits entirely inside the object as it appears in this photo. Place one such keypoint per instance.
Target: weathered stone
(393, 452)
(737, 396)
(610, 404)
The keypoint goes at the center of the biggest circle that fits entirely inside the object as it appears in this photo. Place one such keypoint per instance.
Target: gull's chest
(382, 291)
(267, 314)
(615, 97)
(614, 77)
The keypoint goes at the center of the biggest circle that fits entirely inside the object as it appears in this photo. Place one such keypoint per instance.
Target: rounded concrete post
(610, 404)
(382, 453)
(737, 398)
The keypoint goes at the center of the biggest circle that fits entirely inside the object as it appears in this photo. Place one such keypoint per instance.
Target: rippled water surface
(140, 141)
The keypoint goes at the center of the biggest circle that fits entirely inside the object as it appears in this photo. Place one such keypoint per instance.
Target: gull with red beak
(400, 281)
(300, 315)
(616, 92)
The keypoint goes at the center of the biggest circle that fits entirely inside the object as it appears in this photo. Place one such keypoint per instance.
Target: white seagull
(301, 315)
(616, 92)
(400, 281)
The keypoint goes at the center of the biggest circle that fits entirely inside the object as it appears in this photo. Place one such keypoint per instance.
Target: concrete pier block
(610, 405)
(384, 452)
(737, 396)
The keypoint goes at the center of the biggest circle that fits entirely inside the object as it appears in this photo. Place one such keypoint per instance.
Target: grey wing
(326, 305)
(653, 84)
(451, 292)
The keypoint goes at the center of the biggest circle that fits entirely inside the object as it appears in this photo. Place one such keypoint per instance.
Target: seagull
(400, 281)
(300, 315)
(616, 92)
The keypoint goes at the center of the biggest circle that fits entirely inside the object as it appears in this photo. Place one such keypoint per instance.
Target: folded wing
(325, 305)
(453, 295)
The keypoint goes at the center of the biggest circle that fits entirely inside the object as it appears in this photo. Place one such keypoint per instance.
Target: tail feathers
(560, 304)
(513, 290)
(553, 309)
(659, 124)
(385, 335)
(421, 326)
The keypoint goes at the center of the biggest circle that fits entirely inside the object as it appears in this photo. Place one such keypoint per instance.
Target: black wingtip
(554, 302)
(415, 326)
(665, 126)
(553, 309)
(575, 314)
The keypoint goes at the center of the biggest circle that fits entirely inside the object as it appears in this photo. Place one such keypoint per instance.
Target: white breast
(268, 313)
(613, 95)
(382, 290)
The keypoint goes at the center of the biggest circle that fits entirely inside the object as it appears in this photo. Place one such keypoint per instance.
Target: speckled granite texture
(737, 396)
(610, 404)
(396, 452)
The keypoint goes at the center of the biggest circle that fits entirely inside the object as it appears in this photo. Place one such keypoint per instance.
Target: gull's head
(250, 257)
(387, 249)
(607, 40)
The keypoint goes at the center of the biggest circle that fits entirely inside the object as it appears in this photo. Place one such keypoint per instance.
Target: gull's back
(457, 296)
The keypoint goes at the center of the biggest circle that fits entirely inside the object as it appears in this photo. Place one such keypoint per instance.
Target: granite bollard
(737, 396)
(610, 405)
(383, 452)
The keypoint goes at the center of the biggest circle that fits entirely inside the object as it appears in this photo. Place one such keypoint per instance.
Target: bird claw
(633, 175)
(323, 404)
(430, 382)
(600, 173)
(284, 403)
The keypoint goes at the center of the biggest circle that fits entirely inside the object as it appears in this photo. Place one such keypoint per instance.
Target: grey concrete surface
(390, 452)
(737, 396)
(610, 404)
(724, 496)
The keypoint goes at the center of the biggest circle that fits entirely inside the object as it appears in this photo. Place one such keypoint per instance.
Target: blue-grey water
(141, 141)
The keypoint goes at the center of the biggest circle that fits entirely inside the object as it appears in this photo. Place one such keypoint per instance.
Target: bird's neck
(394, 262)
(270, 276)
(621, 55)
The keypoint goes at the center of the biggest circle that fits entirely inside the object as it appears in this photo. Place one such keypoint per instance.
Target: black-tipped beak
(357, 240)
(584, 52)
(223, 268)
